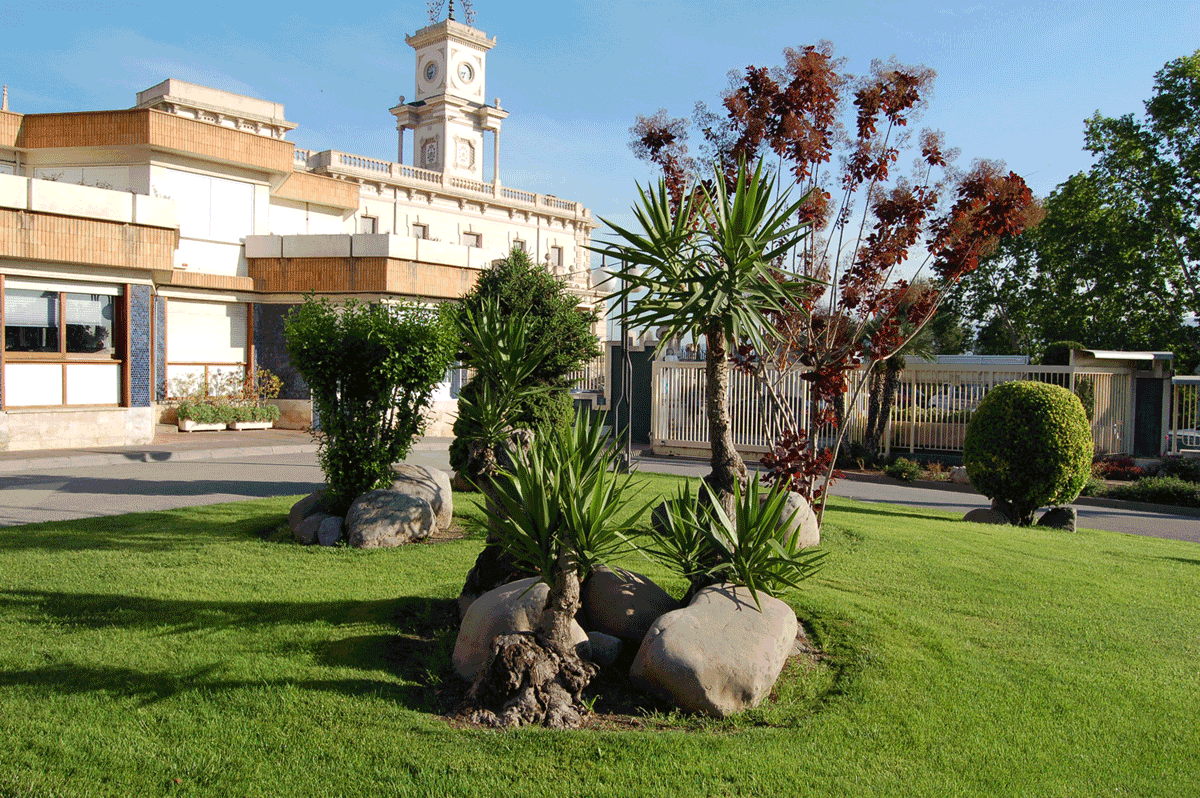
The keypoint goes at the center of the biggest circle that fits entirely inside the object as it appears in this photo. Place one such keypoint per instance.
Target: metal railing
(933, 405)
(1185, 414)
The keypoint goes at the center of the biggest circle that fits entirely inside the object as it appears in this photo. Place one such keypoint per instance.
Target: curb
(1082, 501)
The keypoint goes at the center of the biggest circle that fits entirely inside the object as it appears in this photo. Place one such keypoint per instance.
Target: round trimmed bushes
(1028, 444)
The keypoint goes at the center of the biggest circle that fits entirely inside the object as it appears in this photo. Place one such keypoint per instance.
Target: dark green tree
(1153, 163)
(552, 315)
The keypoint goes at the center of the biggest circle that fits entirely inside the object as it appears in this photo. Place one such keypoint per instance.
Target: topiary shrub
(1028, 445)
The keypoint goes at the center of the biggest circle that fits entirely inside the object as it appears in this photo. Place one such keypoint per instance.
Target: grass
(197, 652)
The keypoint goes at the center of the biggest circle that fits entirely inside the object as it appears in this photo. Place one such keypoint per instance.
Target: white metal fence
(934, 402)
(1185, 414)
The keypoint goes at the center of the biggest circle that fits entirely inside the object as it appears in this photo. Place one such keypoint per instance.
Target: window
(58, 322)
(420, 231)
(556, 257)
(368, 224)
(519, 245)
(473, 240)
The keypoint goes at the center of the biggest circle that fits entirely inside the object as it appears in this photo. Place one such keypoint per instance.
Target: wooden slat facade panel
(360, 275)
(305, 187)
(221, 282)
(10, 126)
(66, 239)
(143, 126)
(213, 141)
(84, 129)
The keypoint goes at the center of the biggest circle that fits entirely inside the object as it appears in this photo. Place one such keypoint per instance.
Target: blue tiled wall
(160, 348)
(140, 308)
(270, 350)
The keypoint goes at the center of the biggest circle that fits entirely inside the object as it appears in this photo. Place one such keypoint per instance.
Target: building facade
(144, 245)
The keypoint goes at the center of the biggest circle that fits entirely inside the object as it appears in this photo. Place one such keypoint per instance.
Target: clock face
(431, 70)
(465, 73)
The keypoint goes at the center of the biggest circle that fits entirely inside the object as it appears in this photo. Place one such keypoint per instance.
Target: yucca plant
(753, 548)
(555, 513)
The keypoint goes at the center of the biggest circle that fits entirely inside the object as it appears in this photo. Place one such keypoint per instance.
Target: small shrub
(1117, 466)
(372, 370)
(1029, 444)
(904, 470)
(1094, 487)
(1187, 469)
(203, 412)
(1159, 490)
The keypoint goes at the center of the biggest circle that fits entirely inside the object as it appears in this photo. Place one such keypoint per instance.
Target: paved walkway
(186, 469)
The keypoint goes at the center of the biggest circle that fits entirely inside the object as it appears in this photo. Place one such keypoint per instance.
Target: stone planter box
(240, 425)
(187, 425)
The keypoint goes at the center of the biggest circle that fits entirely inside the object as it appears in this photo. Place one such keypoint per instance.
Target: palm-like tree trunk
(727, 465)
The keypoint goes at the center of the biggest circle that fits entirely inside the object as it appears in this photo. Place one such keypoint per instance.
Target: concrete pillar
(496, 157)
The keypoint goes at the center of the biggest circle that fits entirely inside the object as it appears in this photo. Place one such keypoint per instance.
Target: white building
(140, 245)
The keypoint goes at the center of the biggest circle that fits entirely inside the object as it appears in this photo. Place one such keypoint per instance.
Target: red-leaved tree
(866, 221)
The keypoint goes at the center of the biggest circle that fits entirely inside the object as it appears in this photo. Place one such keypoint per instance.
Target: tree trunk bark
(728, 468)
(537, 678)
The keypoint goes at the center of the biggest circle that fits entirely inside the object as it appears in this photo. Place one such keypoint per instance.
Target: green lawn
(195, 652)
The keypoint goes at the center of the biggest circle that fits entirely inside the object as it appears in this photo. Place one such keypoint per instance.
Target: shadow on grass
(890, 510)
(418, 654)
(1183, 560)
(184, 528)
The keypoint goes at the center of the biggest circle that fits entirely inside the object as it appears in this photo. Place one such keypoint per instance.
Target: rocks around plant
(308, 530)
(311, 504)
(983, 515)
(719, 655)
(329, 532)
(624, 604)
(384, 518)
(803, 526)
(430, 484)
(512, 608)
(1062, 517)
(606, 649)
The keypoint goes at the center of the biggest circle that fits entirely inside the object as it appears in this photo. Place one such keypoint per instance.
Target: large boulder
(622, 603)
(719, 655)
(986, 515)
(1062, 517)
(804, 521)
(330, 530)
(382, 518)
(958, 475)
(430, 484)
(515, 607)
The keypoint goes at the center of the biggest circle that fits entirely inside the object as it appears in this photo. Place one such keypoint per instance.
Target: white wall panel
(31, 384)
(205, 332)
(93, 383)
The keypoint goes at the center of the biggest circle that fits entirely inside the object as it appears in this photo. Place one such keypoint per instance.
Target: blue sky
(1015, 79)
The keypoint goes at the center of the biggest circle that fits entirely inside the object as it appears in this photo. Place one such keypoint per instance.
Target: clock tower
(449, 115)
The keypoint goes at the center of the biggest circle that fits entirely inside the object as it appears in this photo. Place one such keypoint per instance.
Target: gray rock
(309, 505)
(720, 654)
(1062, 517)
(306, 531)
(958, 475)
(382, 518)
(330, 530)
(605, 648)
(982, 515)
(623, 603)
(804, 522)
(430, 484)
(515, 607)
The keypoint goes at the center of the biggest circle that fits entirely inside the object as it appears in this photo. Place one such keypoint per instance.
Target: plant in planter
(197, 410)
(247, 394)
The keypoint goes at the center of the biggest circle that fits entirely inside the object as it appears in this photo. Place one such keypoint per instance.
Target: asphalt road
(50, 494)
